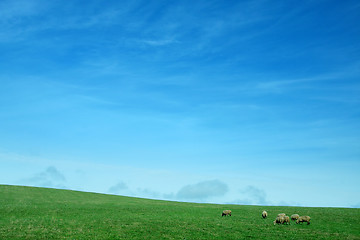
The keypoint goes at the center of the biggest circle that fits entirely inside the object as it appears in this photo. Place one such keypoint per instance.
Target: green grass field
(43, 213)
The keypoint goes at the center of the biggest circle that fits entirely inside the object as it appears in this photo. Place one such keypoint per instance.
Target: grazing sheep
(303, 219)
(264, 214)
(286, 220)
(281, 215)
(295, 217)
(279, 220)
(226, 213)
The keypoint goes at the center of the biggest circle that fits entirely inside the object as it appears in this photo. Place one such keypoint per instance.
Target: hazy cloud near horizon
(198, 192)
(118, 188)
(203, 190)
(50, 177)
(252, 195)
(121, 188)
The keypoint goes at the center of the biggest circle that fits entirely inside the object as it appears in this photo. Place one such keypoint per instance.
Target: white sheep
(226, 213)
(279, 220)
(303, 219)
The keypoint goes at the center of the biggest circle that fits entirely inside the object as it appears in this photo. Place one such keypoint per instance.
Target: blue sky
(206, 101)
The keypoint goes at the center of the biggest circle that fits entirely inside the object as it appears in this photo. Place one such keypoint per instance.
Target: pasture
(43, 213)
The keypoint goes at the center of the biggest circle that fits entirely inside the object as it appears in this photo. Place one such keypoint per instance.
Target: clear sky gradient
(244, 102)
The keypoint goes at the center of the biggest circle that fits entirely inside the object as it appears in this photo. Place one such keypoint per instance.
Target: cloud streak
(159, 42)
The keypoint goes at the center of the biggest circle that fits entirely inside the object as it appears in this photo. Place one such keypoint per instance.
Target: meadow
(44, 213)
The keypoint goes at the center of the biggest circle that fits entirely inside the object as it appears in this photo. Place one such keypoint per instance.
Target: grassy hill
(42, 213)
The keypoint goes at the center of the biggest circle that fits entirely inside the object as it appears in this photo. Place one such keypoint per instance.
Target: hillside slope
(42, 213)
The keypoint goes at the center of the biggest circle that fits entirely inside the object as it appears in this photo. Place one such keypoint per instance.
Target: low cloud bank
(198, 192)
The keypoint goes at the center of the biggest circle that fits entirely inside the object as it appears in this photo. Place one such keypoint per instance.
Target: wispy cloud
(10, 10)
(56, 17)
(288, 83)
(159, 42)
(187, 82)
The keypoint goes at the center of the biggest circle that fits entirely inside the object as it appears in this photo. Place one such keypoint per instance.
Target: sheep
(303, 219)
(279, 220)
(281, 215)
(226, 213)
(286, 220)
(264, 214)
(295, 217)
